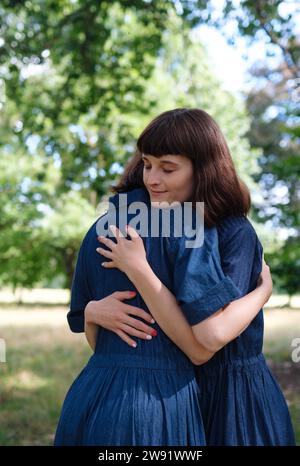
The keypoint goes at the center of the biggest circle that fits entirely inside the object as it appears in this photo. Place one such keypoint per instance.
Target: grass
(282, 326)
(44, 357)
(41, 362)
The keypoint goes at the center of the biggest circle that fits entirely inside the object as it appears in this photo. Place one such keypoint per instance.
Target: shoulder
(203, 241)
(90, 241)
(239, 243)
(91, 234)
(236, 228)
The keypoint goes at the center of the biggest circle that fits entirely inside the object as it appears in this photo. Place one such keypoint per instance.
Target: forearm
(239, 314)
(166, 311)
(90, 329)
(223, 327)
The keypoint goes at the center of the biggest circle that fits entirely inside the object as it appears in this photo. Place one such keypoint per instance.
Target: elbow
(76, 329)
(214, 340)
(76, 325)
(211, 338)
(202, 360)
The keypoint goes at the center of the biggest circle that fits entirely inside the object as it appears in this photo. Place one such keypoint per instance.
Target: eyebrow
(163, 161)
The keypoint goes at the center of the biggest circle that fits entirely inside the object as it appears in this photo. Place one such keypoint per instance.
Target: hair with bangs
(193, 133)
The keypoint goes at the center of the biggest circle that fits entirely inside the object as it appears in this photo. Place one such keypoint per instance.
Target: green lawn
(43, 357)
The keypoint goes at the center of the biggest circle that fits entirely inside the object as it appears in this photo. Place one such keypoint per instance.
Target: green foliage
(82, 81)
(275, 21)
(83, 78)
(273, 105)
(275, 129)
(286, 266)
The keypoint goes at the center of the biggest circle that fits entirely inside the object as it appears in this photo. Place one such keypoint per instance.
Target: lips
(157, 192)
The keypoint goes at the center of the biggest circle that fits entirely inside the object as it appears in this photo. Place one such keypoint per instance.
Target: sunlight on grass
(281, 327)
(26, 380)
(21, 317)
(44, 357)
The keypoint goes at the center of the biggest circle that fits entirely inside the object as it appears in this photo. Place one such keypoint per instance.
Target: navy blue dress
(146, 395)
(241, 402)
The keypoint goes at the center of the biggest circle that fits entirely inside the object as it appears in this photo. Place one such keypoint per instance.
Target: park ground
(43, 357)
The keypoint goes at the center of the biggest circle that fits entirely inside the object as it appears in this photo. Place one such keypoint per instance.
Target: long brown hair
(193, 133)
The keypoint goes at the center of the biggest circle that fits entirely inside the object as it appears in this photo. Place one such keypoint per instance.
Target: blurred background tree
(83, 78)
(79, 80)
(273, 105)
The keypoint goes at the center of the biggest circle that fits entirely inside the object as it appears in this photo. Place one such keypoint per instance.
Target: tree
(273, 104)
(273, 20)
(80, 85)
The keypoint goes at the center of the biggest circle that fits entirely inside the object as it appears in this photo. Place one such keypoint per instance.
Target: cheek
(182, 180)
(189, 178)
(183, 185)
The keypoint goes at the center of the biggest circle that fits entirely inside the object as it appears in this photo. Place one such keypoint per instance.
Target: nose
(153, 178)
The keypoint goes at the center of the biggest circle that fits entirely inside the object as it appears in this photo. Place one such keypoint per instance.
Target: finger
(105, 253)
(108, 242)
(137, 324)
(126, 338)
(136, 333)
(116, 232)
(124, 294)
(136, 311)
(108, 265)
(132, 232)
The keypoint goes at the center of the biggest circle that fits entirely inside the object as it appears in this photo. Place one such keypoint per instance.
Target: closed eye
(164, 170)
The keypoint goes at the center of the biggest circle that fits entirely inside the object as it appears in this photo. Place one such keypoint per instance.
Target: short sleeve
(200, 286)
(80, 292)
(241, 252)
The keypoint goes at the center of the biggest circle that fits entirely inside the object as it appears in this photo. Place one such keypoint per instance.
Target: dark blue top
(146, 395)
(241, 401)
(196, 275)
(153, 395)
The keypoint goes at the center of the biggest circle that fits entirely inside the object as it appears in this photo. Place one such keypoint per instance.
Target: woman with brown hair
(148, 395)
